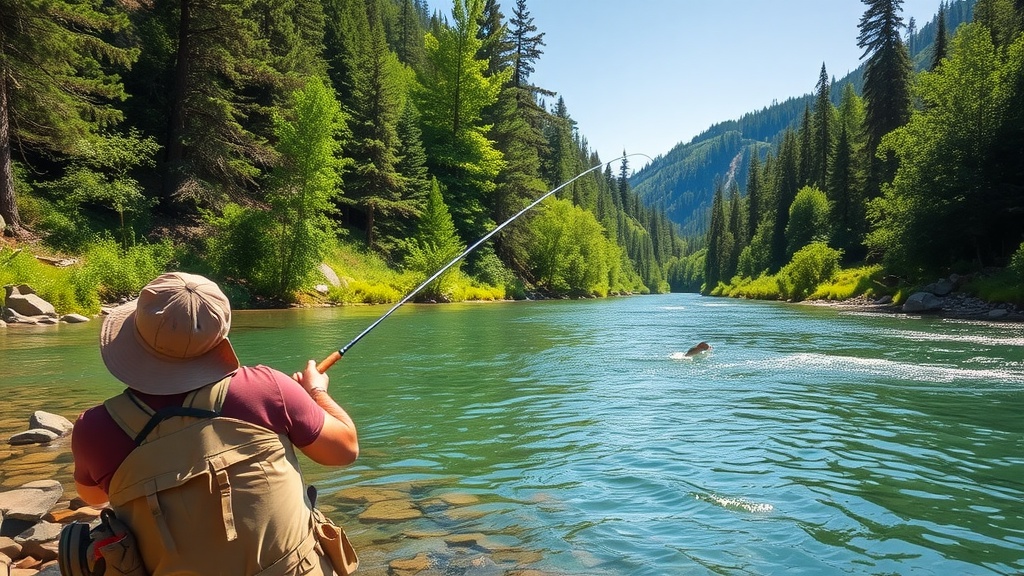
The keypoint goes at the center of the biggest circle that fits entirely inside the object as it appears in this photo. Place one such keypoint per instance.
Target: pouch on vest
(333, 540)
(109, 549)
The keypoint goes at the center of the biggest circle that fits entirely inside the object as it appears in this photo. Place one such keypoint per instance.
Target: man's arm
(338, 443)
(91, 495)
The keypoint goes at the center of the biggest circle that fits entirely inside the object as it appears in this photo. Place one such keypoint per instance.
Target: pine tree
(454, 93)
(716, 243)
(1001, 19)
(822, 122)
(941, 45)
(805, 156)
(787, 184)
(372, 181)
(755, 201)
(410, 34)
(412, 160)
(736, 230)
(345, 38)
(847, 178)
(57, 87)
(436, 243)
(886, 78)
(495, 46)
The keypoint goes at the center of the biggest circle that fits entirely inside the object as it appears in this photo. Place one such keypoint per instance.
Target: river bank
(956, 306)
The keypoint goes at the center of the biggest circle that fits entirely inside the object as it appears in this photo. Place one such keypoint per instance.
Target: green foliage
(763, 287)
(58, 286)
(1002, 286)
(241, 248)
(808, 219)
(755, 258)
(686, 274)
(811, 265)
(361, 292)
(952, 198)
(99, 177)
(107, 273)
(377, 282)
(435, 245)
(568, 251)
(1017, 263)
(849, 283)
(122, 273)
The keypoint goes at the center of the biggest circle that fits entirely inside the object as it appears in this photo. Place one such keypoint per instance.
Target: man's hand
(311, 379)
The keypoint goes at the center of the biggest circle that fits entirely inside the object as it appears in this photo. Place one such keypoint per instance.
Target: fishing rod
(336, 355)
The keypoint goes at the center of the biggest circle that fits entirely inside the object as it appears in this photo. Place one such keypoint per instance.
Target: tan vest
(205, 494)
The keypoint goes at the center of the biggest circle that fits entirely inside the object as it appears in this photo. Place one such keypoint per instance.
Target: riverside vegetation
(377, 139)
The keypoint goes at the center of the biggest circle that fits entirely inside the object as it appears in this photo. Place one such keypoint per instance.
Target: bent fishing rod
(336, 355)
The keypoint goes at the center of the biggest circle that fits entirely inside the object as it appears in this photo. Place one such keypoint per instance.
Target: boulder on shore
(922, 302)
(23, 300)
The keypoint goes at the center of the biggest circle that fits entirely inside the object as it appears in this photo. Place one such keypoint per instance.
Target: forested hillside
(684, 179)
(250, 139)
(915, 175)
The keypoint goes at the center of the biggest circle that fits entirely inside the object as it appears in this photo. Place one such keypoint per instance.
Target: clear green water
(811, 440)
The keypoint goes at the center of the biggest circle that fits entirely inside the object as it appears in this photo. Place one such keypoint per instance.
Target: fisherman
(701, 348)
(197, 456)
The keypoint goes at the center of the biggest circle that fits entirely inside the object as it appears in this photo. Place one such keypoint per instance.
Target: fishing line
(336, 355)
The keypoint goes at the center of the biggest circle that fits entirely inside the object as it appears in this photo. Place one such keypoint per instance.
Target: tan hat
(173, 338)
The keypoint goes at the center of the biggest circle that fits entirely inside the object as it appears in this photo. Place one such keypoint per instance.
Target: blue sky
(644, 75)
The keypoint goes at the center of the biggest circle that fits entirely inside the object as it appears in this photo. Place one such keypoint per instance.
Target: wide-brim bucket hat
(173, 338)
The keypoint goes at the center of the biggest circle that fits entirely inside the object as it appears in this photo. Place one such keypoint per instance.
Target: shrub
(114, 272)
(849, 283)
(1017, 263)
(764, 287)
(811, 265)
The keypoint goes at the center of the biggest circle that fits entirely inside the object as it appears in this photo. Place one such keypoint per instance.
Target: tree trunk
(175, 146)
(8, 205)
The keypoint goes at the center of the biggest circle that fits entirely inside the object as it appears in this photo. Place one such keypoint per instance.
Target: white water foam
(736, 503)
(882, 367)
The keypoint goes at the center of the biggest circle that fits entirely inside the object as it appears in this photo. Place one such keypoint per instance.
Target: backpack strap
(138, 420)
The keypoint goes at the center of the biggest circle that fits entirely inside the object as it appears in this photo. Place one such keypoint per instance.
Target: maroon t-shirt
(259, 395)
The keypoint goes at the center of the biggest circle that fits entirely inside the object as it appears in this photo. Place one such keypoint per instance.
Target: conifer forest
(254, 140)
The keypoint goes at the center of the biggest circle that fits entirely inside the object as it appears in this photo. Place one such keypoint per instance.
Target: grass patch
(764, 287)
(105, 273)
(1002, 286)
(862, 281)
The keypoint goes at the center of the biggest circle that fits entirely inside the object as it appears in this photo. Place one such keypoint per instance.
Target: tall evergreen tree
(455, 92)
(1001, 19)
(436, 243)
(886, 78)
(716, 243)
(847, 178)
(755, 200)
(57, 87)
(822, 121)
(495, 46)
(941, 45)
(805, 156)
(787, 184)
(372, 181)
(410, 34)
(737, 231)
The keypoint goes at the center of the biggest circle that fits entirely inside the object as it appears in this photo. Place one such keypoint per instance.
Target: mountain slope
(683, 180)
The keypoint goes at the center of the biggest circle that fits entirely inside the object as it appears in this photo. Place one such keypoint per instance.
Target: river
(569, 438)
